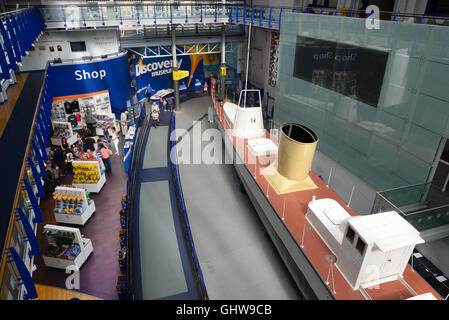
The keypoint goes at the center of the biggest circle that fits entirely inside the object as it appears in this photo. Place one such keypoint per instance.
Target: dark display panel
(353, 71)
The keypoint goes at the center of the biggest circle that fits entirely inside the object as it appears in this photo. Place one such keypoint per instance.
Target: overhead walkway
(162, 263)
(238, 259)
(132, 15)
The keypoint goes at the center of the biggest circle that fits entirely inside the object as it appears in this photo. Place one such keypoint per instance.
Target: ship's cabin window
(361, 246)
(350, 234)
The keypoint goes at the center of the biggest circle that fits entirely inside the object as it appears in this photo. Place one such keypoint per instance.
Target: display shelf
(89, 175)
(62, 129)
(73, 251)
(82, 208)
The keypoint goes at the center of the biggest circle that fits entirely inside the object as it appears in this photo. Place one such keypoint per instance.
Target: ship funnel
(297, 145)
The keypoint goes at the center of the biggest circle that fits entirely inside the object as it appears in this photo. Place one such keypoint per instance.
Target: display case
(72, 205)
(62, 129)
(109, 119)
(66, 247)
(89, 174)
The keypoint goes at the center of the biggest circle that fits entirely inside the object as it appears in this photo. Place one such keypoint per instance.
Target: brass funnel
(297, 145)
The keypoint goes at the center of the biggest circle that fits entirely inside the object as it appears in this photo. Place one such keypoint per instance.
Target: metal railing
(183, 212)
(18, 194)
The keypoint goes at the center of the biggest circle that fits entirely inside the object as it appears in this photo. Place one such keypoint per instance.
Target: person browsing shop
(64, 145)
(105, 155)
(124, 122)
(59, 158)
(115, 139)
(85, 132)
(90, 120)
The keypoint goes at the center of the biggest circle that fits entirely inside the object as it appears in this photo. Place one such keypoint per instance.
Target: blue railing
(19, 30)
(181, 204)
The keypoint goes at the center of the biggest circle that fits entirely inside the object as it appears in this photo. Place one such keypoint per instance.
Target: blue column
(252, 16)
(260, 17)
(244, 14)
(4, 65)
(280, 17)
(269, 19)
(37, 179)
(30, 236)
(237, 14)
(19, 34)
(39, 158)
(24, 274)
(15, 43)
(37, 211)
(8, 46)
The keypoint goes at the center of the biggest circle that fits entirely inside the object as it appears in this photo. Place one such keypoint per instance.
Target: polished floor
(237, 259)
(99, 273)
(13, 94)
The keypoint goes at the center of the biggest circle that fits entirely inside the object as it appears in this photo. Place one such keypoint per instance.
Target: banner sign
(110, 74)
(158, 71)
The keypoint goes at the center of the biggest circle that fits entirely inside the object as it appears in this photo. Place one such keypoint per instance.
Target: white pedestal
(262, 147)
(76, 218)
(93, 188)
(61, 263)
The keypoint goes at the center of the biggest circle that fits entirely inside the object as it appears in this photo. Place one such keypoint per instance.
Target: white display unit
(62, 263)
(71, 138)
(93, 188)
(74, 218)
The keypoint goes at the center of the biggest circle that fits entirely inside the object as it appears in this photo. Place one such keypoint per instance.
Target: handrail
(136, 149)
(182, 210)
(425, 211)
(22, 172)
(391, 204)
(85, 60)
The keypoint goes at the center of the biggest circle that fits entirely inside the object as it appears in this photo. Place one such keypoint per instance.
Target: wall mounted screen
(353, 71)
(78, 46)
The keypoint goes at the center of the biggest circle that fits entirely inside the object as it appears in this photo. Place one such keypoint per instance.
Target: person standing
(115, 139)
(164, 104)
(90, 120)
(59, 158)
(124, 123)
(55, 175)
(85, 132)
(105, 154)
(205, 87)
(149, 92)
(106, 131)
(155, 114)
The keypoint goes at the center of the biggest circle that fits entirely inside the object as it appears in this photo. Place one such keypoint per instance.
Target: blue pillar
(37, 211)
(269, 19)
(260, 17)
(280, 17)
(30, 236)
(37, 179)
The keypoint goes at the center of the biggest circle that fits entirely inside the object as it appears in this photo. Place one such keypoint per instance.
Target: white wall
(98, 42)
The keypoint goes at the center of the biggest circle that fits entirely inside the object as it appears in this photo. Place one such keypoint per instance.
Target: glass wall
(328, 70)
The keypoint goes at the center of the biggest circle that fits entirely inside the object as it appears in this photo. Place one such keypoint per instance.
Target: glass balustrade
(429, 219)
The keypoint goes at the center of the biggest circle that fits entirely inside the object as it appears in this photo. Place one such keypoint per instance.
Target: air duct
(290, 173)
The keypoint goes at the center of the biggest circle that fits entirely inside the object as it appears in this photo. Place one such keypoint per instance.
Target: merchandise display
(72, 205)
(62, 129)
(88, 174)
(66, 247)
(73, 110)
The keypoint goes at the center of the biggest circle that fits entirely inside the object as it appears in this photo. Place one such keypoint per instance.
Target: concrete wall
(98, 42)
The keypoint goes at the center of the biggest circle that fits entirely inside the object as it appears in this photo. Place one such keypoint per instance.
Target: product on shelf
(70, 200)
(62, 129)
(60, 245)
(86, 171)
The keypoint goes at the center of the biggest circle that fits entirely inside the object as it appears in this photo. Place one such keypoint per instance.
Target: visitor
(124, 123)
(79, 142)
(155, 114)
(51, 154)
(106, 131)
(59, 158)
(170, 103)
(115, 139)
(64, 145)
(148, 92)
(105, 154)
(205, 87)
(90, 121)
(55, 176)
(81, 153)
(86, 132)
(89, 143)
(90, 155)
(75, 152)
(164, 104)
